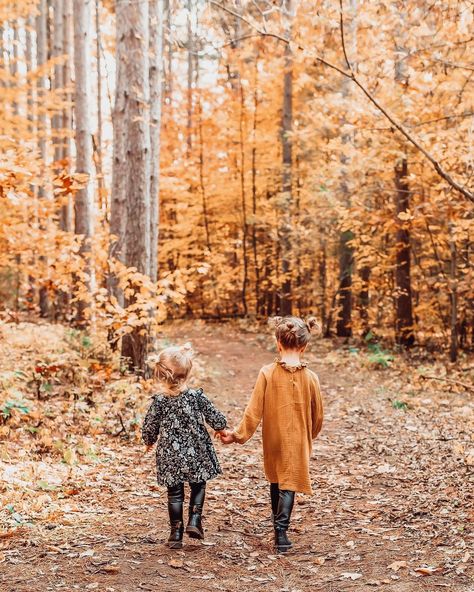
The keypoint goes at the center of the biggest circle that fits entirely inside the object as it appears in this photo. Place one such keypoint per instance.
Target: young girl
(288, 398)
(185, 451)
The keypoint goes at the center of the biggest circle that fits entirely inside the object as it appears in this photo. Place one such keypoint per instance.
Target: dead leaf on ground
(428, 570)
(351, 575)
(396, 565)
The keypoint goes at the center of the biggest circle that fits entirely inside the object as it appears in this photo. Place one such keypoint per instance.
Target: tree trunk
(58, 82)
(133, 42)
(254, 190)
(346, 261)
(346, 253)
(98, 143)
(404, 315)
(453, 345)
(364, 299)
(67, 209)
(84, 199)
(118, 205)
(156, 93)
(42, 121)
(284, 230)
(243, 196)
(189, 94)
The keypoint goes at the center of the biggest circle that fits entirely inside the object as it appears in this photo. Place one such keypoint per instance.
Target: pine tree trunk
(453, 346)
(346, 253)
(133, 33)
(364, 300)
(284, 230)
(243, 196)
(98, 143)
(190, 73)
(404, 315)
(118, 205)
(156, 93)
(346, 261)
(58, 82)
(404, 334)
(67, 209)
(84, 199)
(42, 122)
(254, 191)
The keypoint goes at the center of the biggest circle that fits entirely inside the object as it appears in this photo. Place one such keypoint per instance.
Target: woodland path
(392, 496)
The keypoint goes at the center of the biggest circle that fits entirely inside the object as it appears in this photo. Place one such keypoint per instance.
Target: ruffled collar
(286, 366)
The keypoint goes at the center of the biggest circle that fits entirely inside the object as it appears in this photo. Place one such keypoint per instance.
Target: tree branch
(436, 165)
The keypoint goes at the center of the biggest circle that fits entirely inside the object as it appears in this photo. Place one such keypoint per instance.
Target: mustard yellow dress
(288, 400)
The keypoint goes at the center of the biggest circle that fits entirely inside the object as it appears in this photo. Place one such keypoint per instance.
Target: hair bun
(187, 348)
(275, 322)
(313, 325)
(289, 325)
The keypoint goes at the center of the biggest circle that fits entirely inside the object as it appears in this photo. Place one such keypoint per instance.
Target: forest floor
(392, 508)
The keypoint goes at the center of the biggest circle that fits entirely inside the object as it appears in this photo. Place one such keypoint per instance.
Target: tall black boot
(175, 511)
(196, 504)
(274, 496)
(282, 520)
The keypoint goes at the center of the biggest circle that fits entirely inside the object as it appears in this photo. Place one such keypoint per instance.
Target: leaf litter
(393, 484)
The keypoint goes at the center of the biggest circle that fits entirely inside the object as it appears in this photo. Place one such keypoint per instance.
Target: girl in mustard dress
(287, 400)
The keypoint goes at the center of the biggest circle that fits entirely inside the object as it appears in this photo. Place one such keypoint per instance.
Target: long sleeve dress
(288, 400)
(185, 451)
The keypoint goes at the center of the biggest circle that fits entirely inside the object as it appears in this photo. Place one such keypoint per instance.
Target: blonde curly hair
(172, 366)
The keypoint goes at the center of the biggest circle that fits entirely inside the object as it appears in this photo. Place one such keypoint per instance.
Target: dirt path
(392, 508)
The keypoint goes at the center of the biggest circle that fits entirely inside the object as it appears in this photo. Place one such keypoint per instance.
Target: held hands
(225, 436)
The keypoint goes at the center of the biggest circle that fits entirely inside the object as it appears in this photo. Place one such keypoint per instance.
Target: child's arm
(213, 416)
(317, 412)
(151, 424)
(253, 412)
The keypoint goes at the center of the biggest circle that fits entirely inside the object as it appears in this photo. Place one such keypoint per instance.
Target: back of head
(294, 333)
(172, 366)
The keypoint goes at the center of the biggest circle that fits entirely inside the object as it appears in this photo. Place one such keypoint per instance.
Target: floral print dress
(185, 451)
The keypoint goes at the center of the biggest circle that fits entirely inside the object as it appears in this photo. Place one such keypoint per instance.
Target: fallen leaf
(428, 570)
(351, 575)
(176, 563)
(396, 565)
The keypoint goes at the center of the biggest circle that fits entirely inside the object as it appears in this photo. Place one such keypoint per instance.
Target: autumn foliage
(286, 183)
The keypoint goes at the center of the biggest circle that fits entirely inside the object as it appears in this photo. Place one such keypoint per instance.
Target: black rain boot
(175, 511)
(198, 493)
(282, 520)
(274, 496)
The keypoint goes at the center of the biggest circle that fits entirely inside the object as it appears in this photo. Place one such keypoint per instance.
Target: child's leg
(175, 511)
(286, 500)
(196, 505)
(274, 496)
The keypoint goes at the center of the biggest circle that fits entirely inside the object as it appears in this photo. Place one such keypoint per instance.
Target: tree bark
(346, 252)
(453, 345)
(190, 73)
(284, 230)
(98, 143)
(404, 334)
(404, 315)
(84, 200)
(156, 94)
(67, 210)
(58, 82)
(133, 36)
(42, 122)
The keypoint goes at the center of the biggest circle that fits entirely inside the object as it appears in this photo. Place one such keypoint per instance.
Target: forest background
(232, 160)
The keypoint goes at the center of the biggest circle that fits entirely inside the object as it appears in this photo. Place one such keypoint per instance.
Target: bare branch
(436, 165)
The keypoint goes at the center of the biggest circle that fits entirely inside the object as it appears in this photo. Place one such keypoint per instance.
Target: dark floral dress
(185, 451)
